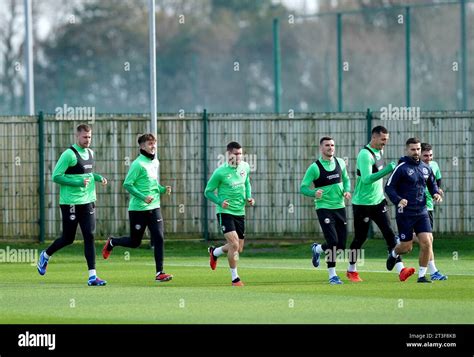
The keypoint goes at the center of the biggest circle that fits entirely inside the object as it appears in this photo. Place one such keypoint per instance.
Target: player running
(74, 174)
(427, 158)
(331, 183)
(406, 189)
(369, 203)
(144, 207)
(232, 182)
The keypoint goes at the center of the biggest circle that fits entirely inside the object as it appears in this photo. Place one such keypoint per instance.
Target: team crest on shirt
(402, 236)
(410, 172)
(72, 217)
(327, 220)
(242, 173)
(137, 227)
(366, 219)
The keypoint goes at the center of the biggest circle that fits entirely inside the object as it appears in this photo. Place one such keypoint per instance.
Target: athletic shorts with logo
(409, 222)
(228, 223)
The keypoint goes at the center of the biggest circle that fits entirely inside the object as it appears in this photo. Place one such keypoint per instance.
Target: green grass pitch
(281, 287)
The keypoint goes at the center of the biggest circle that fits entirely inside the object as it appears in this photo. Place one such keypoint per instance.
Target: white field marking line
(286, 268)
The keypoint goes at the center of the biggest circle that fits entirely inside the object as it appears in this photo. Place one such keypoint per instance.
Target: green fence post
(339, 62)
(464, 73)
(368, 117)
(194, 76)
(277, 63)
(205, 222)
(41, 177)
(407, 55)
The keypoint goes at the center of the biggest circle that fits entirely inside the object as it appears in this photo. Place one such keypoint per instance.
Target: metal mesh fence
(278, 148)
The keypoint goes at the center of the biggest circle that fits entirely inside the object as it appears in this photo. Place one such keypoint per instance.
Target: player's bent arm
(312, 173)
(66, 160)
(365, 163)
(129, 183)
(162, 189)
(133, 191)
(380, 174)
(211, 187)
(97, 177)
(69, 181)
(211, 196)
(391, 186)
(392, 194)
(248, 187)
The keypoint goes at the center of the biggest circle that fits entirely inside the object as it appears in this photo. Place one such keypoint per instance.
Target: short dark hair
(233, 145)
(83, 127)
(324, 138)
(146, 137)
(426, 147)
(412, 141)
(379, 129)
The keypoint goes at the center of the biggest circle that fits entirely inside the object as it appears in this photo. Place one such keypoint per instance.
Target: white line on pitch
(285, 268)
